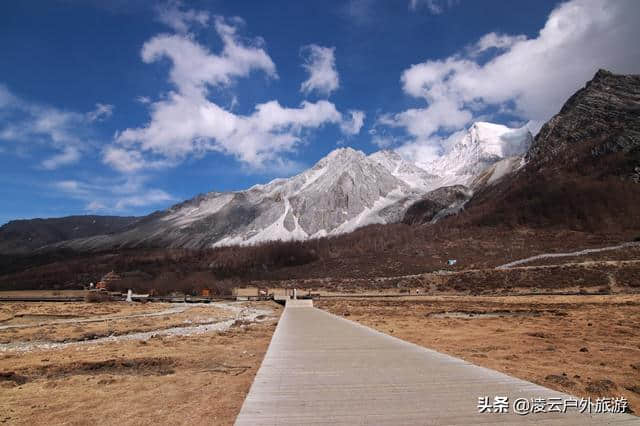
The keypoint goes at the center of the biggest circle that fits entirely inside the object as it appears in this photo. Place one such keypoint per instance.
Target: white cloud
(383, 141)
(126, 161)
(185, 122)
(102, 112)
(114, 195)
(194, 67)
(441, 114)
(143, 99)
(421, 151)
(495, 41)
(435, 7)
(71, 187)
(172, 15)
(6, 97)
(320, 63)
(353, 126)
(69, 155)
(32, 124)
(531, 76)
(150, 197)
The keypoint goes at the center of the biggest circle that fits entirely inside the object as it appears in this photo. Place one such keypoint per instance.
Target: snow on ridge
(481, 146)
(344, 190)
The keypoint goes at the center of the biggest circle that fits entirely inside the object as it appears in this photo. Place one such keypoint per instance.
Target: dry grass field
(193, 379)
(78, 321)
(582, 345)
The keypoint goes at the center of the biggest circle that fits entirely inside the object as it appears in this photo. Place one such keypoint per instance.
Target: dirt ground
(198, 379)
(588, 346)
(42, 293)
(73, 321)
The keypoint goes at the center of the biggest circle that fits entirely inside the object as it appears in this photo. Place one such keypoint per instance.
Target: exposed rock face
(606, 110)
(437, 204)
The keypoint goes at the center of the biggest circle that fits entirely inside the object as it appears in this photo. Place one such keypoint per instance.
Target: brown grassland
(588, 346)
(198, 379)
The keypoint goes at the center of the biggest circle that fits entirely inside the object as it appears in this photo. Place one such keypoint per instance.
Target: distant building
(103, 284)
(251, 293)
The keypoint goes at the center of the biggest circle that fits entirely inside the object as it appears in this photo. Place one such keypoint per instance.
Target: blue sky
(125, 107)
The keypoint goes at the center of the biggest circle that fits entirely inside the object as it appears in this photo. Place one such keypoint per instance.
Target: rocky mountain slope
(26, 235)
(343, 191)
(437, 204)
(582, 170)
(606, 111)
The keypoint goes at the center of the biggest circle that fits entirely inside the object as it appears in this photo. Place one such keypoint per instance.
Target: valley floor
(587, 346)
(161, 378)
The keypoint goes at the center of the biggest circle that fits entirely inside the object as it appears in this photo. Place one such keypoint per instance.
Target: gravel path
(570, 254)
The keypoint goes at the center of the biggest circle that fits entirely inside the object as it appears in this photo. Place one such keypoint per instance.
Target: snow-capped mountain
(483, 145)
(343, 191)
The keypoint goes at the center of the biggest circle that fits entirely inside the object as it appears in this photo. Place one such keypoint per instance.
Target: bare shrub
(94, 296)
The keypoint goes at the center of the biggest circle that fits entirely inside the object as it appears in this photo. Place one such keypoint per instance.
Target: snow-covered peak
(495, 139)
(341, 156)
(481, 146)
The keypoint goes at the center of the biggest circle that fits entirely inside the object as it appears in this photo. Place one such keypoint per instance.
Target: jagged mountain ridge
(343, 191)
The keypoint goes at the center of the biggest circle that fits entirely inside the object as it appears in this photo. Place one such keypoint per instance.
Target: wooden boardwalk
(323, 369)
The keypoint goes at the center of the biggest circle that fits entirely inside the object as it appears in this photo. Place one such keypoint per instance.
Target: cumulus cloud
(530, 77)
(495, 41)
(320, 63)
(32, 124)
(194, 67)
(172, 14)
(114, 194)
(186, 122)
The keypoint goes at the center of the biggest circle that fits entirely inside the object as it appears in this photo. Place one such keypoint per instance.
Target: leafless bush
(93, 296)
